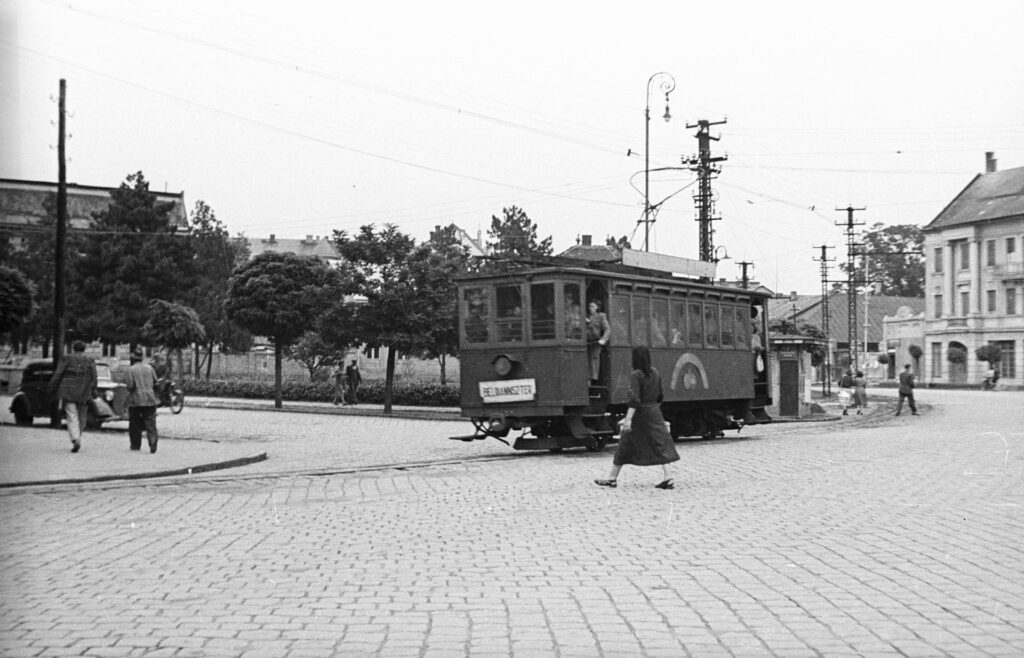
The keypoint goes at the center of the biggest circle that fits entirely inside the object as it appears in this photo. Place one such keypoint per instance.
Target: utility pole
(706, 169)
(851, 293)
(744, 281)
(826, 380)
(61, 238)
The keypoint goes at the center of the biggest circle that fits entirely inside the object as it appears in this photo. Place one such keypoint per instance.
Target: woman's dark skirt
(647, 442)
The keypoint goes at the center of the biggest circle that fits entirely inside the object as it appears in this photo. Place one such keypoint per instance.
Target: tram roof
(503, 268)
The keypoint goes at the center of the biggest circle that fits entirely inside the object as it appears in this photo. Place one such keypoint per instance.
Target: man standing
(141, 402)
(354, 380)
(598, 334)
(75, 383)
(339, 386)
(906, 391)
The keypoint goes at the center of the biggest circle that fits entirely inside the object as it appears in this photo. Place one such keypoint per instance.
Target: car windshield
(102, 371)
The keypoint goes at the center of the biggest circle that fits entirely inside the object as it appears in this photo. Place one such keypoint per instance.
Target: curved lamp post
(665, 83)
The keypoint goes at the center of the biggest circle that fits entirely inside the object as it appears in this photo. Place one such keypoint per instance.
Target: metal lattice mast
(826, 383)
(706, 169)
(851, 290)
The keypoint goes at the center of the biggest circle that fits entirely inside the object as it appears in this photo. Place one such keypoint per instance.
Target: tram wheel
(595, 443)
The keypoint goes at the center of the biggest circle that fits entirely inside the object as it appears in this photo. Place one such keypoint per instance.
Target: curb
(186, 470)
(292, 407)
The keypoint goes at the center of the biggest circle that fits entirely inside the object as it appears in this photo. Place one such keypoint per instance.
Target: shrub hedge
(419, 394)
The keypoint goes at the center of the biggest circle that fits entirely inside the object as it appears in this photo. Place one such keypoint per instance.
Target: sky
(303, 118)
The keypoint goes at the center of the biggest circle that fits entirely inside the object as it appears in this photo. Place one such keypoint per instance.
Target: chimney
(990, 162)
(586, 240)
(271, 238)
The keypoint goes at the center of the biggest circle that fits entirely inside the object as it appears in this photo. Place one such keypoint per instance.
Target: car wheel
(22, 416)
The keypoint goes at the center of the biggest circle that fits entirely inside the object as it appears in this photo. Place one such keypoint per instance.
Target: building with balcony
(974, 279)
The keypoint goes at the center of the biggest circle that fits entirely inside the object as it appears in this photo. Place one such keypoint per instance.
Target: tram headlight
(502, 365)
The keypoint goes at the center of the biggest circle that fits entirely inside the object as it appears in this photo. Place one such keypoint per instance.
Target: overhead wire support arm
(707, 169)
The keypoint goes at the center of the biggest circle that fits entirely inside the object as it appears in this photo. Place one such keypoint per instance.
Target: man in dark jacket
(142, 402)
(354, 380)
(906, 390)
(75, 383)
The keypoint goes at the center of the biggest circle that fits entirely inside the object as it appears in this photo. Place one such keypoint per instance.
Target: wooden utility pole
(61, 242)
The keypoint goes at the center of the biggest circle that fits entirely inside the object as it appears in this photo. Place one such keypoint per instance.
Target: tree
(174, 326)
(787, 327)
(129, 258)
(896, 260)
(16, 299)
(315, 353)
(515, 235)
(389, 271)
(989, 353)
(216, 257)
(279, 295)
(915, 353)
(956, 354)
(446, 257)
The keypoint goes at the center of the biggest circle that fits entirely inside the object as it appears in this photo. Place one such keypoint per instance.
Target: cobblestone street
(885, 536)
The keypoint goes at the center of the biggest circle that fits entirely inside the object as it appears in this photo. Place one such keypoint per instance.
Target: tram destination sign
(511, 390)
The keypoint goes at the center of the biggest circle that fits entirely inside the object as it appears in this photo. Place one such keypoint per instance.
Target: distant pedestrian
(75, 383)
(142, 402)
(354, 379)
(860, 392)
(339, 385)
(644, 439)
(846, 390)
(906, 391)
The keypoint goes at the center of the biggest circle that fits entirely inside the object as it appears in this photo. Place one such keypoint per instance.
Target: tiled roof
(990, 196)
(321, 247)
(809, 310)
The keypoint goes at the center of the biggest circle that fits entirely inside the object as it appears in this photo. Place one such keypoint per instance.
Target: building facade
(974, 280)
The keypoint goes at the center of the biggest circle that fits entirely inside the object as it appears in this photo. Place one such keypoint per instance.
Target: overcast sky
(304, 117)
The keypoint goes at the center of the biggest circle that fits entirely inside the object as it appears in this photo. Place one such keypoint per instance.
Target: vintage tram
(524, 362)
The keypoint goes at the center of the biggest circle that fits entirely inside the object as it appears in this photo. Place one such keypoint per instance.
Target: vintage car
(34, 401)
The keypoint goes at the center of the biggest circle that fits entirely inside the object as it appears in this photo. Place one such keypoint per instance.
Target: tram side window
(711, 325)
(659, 323)
(619, 319)
(742, 328)
(573, 312)
(542, 311)
(476, 314)
(641, 321)
(678, 323)
(509, 314)
(726, 315)
(695, 325)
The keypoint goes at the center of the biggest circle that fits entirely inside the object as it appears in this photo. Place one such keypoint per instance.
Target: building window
(990, 253)
(938, 261)
(938, 306)
(965, 302)
(936, 360)
(990, 301)
(372, 352)
(1011, 247)
(1011, 301)
(1007, 358)
(965, 256)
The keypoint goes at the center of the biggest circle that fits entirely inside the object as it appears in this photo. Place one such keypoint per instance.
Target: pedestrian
(644, 439)
(598, 334)
(142, 402)
(339, 385)
(75, 383)
(860, 392)
(906, 391)
(846, 393)
(354, 379)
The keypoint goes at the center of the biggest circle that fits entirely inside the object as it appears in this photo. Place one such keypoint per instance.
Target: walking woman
(644, 440)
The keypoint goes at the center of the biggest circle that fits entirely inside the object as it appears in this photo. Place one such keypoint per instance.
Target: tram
(524, 361)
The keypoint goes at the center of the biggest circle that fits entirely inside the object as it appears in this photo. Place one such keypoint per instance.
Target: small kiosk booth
(792, 361)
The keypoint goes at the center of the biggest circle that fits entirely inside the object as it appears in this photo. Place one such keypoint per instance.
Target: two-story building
(974, 279)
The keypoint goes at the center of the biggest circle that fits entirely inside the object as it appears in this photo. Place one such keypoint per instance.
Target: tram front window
(509, 314)
(542, 311)
(476, 314)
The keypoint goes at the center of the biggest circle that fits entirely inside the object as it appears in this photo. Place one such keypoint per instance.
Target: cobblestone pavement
(883, 536)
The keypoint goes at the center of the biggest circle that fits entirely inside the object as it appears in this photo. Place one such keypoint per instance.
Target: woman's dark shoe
(667, 484)
(606, 483)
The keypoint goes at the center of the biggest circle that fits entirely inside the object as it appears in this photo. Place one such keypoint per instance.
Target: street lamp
(666, 83)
